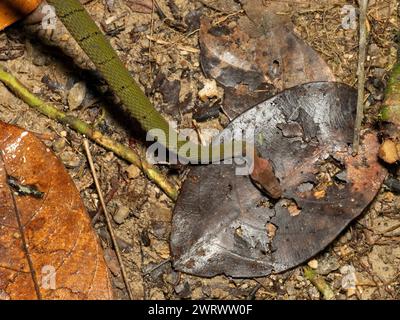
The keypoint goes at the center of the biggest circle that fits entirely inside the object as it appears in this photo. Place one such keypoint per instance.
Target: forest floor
(368, 249)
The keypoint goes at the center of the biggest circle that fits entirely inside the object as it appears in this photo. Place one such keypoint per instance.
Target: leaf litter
(221, 224)
(318, 23)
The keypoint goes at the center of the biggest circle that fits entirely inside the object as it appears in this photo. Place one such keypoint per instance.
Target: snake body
(93, 42)
(96, 46)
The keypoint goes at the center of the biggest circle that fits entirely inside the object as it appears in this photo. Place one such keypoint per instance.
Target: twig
(180, 47)
(84, 128)
(107, 216)
(109, 196)
(319, 282)
(199, 135)
(360, 74)
(156, 267)
(151, 35)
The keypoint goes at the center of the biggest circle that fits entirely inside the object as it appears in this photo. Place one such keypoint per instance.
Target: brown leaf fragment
(48, 249)
(263, 175)
(141, 6)
(271, 230)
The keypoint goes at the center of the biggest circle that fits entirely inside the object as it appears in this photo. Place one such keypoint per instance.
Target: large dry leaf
(13, 10)
(44, 227)
(257, 56)
(224, 225)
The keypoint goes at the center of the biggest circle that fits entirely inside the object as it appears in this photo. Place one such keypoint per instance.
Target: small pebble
(59, 145)
(121, 214)
(132, 171)
(313, 264)
(76, 95)
(209, 90)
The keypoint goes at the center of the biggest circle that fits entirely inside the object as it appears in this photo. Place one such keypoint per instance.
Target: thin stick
(151, 35)
(84, 128)
(360, 74)
(107, 216)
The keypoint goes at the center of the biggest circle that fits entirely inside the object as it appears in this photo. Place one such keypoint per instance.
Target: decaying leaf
(141, 6)
(48, 249)
(224, 225)
(12, 11)
(256, 56)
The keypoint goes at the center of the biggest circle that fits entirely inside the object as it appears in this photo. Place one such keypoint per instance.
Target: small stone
(59, 145)
(349, 280)
(313, 264)
(388, 152)
(121, 214)
(327, 265)
(132, 171)
(76, 95)
(183, 290)
(70, 159)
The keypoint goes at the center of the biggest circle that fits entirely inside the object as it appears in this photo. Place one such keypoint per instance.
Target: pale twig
(198, 131)
(180, 47)
(90, 132)
(107, 216)
(151, 35)
(360, 74)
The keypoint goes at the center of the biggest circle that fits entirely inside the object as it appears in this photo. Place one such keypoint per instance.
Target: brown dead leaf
(48, 249)
(141, 6)
(257, 55)
(223, 224)
(13, 10)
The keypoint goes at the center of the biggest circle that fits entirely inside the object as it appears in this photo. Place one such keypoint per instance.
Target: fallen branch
(84, 128)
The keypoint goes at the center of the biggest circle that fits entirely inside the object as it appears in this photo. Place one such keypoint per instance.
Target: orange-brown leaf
(47, 232)
(13, 10)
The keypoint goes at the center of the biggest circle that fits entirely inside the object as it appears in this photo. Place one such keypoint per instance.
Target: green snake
(93, 42)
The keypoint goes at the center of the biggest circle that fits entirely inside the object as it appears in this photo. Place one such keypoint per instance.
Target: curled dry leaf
(256, 56)
(224, 225)
(48, 249)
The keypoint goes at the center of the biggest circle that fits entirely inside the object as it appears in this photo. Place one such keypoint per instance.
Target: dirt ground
(368, 249)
